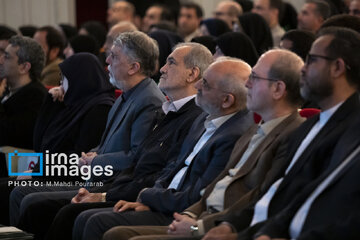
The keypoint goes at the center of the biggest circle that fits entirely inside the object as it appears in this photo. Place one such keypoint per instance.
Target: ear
(228, 101)
(193, 75)
(53, 53)
(134, 68)
(338, 68)
(279, 90)
(24, 67)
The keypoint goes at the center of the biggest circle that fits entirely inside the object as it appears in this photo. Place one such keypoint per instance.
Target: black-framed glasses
(310, 58)
(253, 77)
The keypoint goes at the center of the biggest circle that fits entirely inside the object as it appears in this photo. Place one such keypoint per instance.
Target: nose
(248, 83)
(303, 69)
(163, 69)
(108, 60)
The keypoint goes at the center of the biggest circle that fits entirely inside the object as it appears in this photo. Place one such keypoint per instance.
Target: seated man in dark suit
(328, 208)
(21, 97)
(133, 58)
(330, 78)
(204, 154)
(254, 154)
(21, 65)
(184, 67)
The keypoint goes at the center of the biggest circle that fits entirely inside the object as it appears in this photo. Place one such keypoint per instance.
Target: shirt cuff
(201, 227)
(138, 199)
(103, 197)
(233, 229)
(190, 214)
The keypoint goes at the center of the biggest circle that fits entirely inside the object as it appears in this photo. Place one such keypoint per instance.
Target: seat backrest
(118, 93)
(305, 112)
(308, 112)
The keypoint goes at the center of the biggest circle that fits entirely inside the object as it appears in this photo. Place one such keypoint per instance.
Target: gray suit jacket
(130, 125)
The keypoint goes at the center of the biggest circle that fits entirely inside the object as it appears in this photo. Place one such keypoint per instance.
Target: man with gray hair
(116, 30)
(184, 67)
(273, 93)
(131, 61)
(203, 156)
(21, 65)
(131, 118)
(229, 11)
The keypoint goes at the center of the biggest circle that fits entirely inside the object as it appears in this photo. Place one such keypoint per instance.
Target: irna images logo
(15, 157)
(55, 164)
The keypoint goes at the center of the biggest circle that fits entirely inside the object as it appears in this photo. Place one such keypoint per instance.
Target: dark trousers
(92, 224)
(5, 191)
(62, 226)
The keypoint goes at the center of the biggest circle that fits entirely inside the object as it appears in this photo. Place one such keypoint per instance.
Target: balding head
(115, 31)
(228, 11)
(120, 11)
(354, 8)
(286, 66)
(222, 90)
(274, 85)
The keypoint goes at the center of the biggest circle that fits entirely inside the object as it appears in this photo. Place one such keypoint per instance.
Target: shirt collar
(268, 126)
(174, 106)
(126, 95)
(325, 115)
(217, 122)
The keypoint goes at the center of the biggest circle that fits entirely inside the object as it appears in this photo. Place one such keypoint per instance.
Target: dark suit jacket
(311, 164)
(339, 200)
(18, 115)
(158, 149)
(130, 125)
(245, 186)
(206, 165)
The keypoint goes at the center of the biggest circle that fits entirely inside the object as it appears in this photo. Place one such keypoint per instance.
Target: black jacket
(18, 115)
(153, 154)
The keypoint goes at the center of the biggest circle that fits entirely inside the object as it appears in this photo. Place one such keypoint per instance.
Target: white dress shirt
(210, 126)
(175, 105)
(299, 218)
(261, 207)
(217, 196)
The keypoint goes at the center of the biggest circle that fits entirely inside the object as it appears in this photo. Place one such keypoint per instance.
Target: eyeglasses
(310, 58)
(253, 77)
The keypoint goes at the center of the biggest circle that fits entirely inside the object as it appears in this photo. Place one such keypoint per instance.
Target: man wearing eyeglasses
(229, 12)
(120, 11)
(204, 154)
(276, 99)
(330, 78)
(20, 102)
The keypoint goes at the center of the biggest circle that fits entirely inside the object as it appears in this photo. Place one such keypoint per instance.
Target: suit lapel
(240, 147)
(191, 139)
(120, 109)
(255, 155)
(343, 112)
(112, 115)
